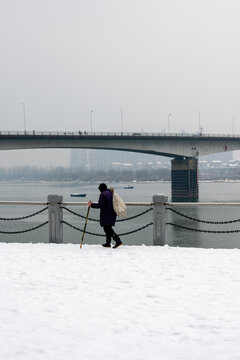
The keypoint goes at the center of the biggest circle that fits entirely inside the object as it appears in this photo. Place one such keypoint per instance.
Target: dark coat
(107, 214)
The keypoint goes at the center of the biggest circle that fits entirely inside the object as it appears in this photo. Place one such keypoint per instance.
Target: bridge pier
(184, 177)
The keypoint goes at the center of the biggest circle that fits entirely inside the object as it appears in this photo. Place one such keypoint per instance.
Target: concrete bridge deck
(164, 144)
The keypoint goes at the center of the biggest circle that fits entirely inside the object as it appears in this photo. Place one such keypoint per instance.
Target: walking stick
(85, 226)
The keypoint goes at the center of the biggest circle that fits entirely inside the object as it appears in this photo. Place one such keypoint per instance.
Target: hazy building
(108, 159)
(223, 156)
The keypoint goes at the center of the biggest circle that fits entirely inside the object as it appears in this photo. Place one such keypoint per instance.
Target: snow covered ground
(137, 303)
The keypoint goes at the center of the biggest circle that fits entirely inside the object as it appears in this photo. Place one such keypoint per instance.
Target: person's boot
(118, 241)
(107, 245)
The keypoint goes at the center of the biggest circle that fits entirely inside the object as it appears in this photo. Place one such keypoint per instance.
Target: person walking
(107, 215)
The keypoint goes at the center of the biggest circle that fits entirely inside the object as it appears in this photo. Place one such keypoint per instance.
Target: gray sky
(64, 58)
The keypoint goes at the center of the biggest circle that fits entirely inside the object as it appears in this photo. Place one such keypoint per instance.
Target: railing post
(55, 216)
(159, 220)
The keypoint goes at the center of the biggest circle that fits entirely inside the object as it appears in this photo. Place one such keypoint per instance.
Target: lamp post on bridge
(169, 115)
(121, 109)
(24, 115)
(233, 124)
(199, 123)
(91, 112)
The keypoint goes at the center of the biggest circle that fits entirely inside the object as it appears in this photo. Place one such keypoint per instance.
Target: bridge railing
(135, 134)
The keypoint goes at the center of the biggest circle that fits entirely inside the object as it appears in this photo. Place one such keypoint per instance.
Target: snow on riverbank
(138, 303)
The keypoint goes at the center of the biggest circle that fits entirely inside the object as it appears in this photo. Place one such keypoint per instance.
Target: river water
(142, 192)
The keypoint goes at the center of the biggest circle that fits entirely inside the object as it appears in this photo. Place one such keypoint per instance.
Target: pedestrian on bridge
(107, 215)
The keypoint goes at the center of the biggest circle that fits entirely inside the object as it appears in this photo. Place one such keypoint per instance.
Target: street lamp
(199, 122)
(121, 120)
(24, 115)
(91, 112)
(169, 115)
(233, 124)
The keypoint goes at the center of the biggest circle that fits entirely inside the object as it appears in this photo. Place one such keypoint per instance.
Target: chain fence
(203, 221)
(103, 235)
(78, 215)
(97, 220)
(24, 217)
(223, 222)
(24, 231)
(136, 226)
(8, 219)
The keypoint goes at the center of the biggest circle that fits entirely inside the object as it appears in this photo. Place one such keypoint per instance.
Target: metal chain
(204, 231)
(91, 219)
(94, 234)
(24, 217)
(202, 221)
(24, 231)
(139, 229)
(79, 215)
(135, 216)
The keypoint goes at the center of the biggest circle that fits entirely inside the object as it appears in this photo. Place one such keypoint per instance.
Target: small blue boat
(129, 187)
(78, 195)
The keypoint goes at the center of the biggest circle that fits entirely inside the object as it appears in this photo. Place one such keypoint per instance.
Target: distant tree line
(31, 173)
(220, 173)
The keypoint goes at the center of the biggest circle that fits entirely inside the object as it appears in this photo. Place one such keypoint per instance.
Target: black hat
(102, 187)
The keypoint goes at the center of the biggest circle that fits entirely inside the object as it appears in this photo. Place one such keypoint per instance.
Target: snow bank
(138, 303)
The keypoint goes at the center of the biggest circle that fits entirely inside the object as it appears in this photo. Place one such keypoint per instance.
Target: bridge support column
(184, 177)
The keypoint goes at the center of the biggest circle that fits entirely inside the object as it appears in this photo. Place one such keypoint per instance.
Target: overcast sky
(64, 58)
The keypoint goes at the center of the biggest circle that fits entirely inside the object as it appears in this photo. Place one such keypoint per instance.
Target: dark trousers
(110, 234)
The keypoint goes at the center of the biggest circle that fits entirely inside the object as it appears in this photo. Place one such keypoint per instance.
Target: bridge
(183, 148)
(169, 145)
